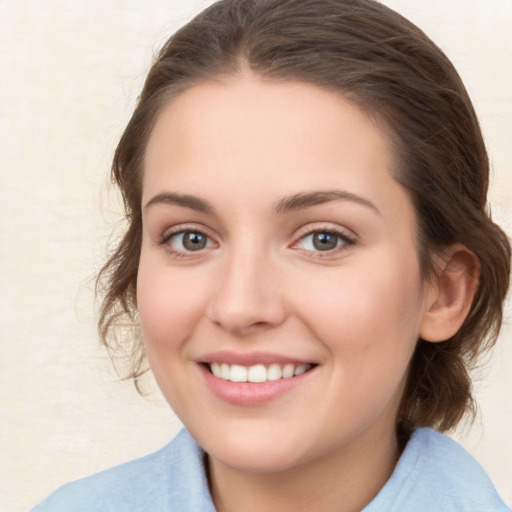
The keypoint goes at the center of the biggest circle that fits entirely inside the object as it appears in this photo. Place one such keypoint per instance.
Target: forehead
(257, 125)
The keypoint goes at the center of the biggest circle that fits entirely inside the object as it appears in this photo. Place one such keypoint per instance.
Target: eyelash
(167, 237)
(344, 241)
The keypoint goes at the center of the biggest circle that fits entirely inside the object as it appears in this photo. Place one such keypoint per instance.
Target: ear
(451, 294)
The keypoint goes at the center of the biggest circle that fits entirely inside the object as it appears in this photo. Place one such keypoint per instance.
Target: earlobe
(451, 295)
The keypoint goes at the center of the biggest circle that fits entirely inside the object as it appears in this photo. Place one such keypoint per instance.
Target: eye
(188, 241)
(323, 241)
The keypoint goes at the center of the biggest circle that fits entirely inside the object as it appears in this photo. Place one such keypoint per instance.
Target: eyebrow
(304, 200)
(299, 201)
(188, 201)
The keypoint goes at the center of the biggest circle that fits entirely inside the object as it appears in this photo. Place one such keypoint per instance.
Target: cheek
(371, 317)
(370, 327)
(170, 305)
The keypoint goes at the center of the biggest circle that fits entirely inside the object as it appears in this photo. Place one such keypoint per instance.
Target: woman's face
(276, 242)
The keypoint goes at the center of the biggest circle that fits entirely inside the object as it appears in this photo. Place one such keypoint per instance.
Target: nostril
(259, 324)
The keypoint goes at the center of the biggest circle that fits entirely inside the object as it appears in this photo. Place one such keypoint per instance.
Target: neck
(343, 481)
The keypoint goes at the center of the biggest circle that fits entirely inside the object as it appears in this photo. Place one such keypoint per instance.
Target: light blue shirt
(433, 474)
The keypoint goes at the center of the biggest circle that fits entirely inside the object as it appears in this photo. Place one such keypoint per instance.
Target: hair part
(391, 70)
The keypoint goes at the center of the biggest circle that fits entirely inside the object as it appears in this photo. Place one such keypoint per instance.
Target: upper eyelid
(327, 227)
(346, 240)
(182, 228)
(165, 241)
(303, 231)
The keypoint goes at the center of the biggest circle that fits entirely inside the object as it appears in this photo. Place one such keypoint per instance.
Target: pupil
(194, 241)
(325, 241)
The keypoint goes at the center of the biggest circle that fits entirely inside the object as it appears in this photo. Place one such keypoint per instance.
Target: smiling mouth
(258, 372)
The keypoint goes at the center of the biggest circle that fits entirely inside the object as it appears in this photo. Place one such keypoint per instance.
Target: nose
(247, 298)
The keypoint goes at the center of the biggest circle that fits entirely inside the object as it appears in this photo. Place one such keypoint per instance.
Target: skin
(260, 285)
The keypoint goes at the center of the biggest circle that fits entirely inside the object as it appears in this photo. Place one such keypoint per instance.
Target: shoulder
(437, 473)
(159, 481)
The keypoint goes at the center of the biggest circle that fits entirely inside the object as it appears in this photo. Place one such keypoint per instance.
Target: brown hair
(394, 72)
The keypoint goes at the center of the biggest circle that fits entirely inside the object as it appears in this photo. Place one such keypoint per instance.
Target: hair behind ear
(438, 390)
(439, 375)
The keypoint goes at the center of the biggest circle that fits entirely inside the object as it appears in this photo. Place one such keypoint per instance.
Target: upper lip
(250, 358)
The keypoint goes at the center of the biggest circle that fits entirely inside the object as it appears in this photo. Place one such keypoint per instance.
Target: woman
(311, 263)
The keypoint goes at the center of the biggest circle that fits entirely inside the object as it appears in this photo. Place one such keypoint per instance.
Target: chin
(260, 461)
(256, 452)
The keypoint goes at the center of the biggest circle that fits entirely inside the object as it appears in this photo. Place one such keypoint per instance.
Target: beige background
(70, 73)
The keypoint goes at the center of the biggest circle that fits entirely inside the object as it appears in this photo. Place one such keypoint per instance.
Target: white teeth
(225, 371)
(257, 372)
(215, 367)
(300, 369)
(288, 371)
(238, 373)
(274, 372)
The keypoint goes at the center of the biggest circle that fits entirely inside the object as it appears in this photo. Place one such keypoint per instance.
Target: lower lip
(251, 393)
